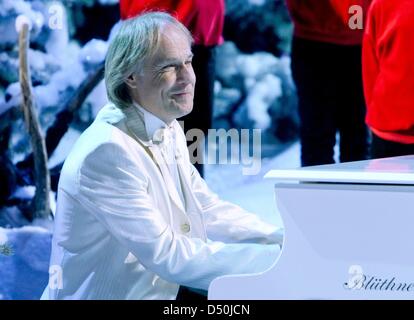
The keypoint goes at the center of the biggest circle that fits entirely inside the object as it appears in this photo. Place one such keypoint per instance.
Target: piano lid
(395, 171)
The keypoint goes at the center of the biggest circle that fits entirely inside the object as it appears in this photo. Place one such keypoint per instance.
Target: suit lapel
(193, 207)
(186, 186)
(172, 190)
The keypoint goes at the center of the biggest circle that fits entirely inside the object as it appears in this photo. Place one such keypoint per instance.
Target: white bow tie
(165, 139)
(163, 136)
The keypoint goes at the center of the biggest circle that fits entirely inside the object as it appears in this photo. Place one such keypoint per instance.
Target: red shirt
(326, 20)
(204, 18)
(388, 69)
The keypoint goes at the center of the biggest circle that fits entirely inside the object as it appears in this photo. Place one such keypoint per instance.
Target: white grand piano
(349, 234)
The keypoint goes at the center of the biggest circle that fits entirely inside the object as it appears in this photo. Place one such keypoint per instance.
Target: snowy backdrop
(68, 43)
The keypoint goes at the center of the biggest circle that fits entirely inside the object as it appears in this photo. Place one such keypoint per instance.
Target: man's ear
(131, 81)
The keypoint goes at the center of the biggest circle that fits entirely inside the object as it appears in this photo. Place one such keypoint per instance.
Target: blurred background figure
(205, 20)
(388, 52)
(326, 67)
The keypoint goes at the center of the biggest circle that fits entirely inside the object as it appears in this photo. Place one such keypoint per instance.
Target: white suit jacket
(122, 231)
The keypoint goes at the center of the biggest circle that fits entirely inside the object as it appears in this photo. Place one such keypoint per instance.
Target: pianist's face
(165, 85)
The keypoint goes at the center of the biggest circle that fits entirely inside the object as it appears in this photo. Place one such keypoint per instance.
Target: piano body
(349, 234)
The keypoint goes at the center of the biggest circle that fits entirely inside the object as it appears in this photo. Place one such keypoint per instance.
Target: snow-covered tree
(63, 71)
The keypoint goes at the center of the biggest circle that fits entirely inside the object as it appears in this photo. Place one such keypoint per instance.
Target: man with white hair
(134, 218)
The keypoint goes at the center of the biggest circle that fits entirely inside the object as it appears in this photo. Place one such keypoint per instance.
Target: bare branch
(72, 105)
(42, 178)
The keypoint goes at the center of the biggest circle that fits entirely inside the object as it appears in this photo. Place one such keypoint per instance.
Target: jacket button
(185, 227)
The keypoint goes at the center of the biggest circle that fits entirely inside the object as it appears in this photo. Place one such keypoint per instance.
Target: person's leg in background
(351, 113)
(381, 148)
(312, 70)
(201, 116)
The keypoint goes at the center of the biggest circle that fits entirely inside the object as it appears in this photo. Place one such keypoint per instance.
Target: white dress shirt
(165, 135)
